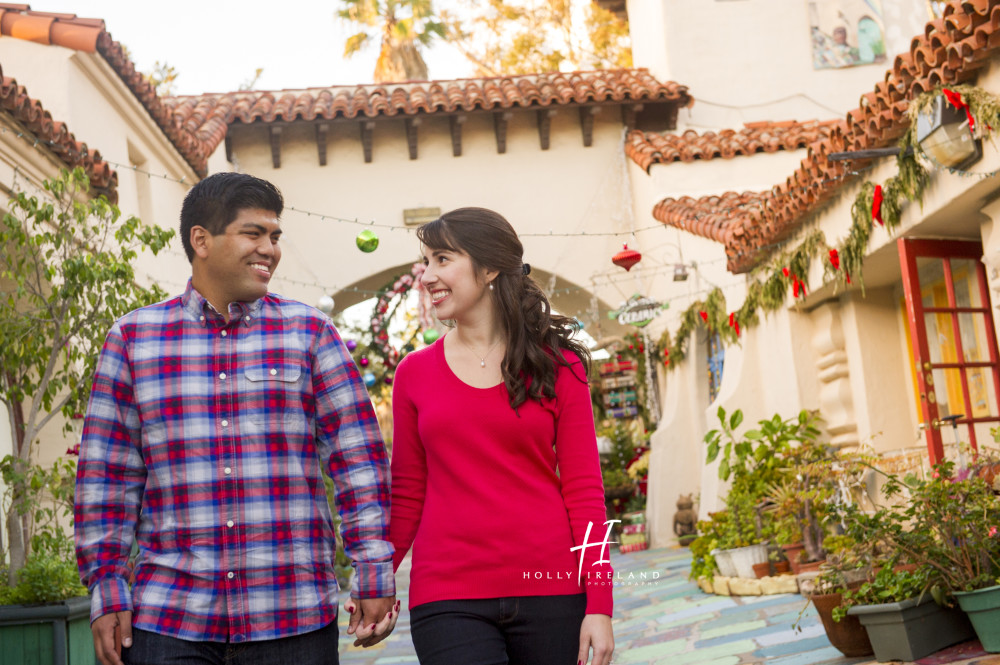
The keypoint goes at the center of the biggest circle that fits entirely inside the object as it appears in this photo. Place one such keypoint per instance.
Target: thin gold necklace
(482, 359)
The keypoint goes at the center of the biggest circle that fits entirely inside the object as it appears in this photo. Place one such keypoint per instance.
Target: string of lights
(602, 279)
(36, 142)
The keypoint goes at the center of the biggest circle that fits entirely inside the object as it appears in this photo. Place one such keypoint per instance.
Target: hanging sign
(638, 311)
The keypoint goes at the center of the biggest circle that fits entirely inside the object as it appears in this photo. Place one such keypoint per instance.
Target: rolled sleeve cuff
(110, 595)
(373, 580)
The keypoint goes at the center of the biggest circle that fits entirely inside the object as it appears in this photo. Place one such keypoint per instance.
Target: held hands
(596, 634)
(111, 633)
(372, 619)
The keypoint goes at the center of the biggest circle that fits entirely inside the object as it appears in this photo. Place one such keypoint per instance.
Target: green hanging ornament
(367, 241)
(431, 335)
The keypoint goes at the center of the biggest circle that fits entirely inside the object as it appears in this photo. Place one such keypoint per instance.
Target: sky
(216, 45)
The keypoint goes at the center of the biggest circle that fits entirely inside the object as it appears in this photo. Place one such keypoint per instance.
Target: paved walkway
(663, 619)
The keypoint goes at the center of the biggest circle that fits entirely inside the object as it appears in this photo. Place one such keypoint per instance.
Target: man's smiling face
(239, 262)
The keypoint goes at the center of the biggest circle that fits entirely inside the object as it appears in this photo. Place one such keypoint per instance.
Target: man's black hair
(217, 200)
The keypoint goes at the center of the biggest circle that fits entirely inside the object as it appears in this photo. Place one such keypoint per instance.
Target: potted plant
(951, 525)
(808, 494)
(751, 462)
(618, 485)
(845, 633)
(46, 604)
(903, 621)
(703, 566)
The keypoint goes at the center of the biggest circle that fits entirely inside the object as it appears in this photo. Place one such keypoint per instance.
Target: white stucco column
(676, 452)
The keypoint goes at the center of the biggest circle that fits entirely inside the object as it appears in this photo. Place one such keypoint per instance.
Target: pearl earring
(491, 286)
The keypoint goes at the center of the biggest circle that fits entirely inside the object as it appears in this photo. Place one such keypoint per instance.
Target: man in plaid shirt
(211, 417)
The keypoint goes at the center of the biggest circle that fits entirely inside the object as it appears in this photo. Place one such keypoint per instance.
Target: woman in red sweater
(496, 480)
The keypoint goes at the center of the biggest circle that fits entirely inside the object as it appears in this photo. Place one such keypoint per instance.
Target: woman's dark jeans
(318, 647)
(527, 630)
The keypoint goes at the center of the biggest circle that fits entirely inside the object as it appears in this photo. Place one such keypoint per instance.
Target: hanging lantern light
(626, 258)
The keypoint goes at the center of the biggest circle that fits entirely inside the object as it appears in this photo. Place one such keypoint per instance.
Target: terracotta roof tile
(90, 36)
(648, 148)
(208, 115)
(950, 51)
(708, 216)
(30, 114)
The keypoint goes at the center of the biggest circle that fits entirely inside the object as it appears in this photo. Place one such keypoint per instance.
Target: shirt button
(224, 333)
(230, 575)
(246, 318)
(228, 470)
(273, 372)
(202, 318)
(225, 423)
(230, 524)
(222, 375)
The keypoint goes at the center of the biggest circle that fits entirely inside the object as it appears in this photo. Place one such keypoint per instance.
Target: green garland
(769, 289)
(765, 294)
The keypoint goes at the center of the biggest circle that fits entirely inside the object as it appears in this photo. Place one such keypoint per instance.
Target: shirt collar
(197, 306)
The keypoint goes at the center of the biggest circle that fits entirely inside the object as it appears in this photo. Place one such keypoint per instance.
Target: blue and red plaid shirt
(203, 443)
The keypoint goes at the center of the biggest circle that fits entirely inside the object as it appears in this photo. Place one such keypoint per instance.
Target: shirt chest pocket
(273, 395)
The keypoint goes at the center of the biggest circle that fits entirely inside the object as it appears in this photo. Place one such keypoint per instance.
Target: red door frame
(909, 250)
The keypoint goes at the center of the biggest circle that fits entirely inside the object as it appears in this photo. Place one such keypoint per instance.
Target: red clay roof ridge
(30, 114)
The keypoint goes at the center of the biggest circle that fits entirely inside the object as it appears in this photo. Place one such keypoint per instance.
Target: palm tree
(404, 26)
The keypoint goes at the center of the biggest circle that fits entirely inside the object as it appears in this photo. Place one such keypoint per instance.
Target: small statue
(685, 518)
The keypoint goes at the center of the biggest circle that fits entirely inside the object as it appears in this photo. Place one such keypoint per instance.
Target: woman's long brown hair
(535, 336)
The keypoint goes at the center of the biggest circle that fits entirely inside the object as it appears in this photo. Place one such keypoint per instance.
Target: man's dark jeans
(526, 630)
(318, 647)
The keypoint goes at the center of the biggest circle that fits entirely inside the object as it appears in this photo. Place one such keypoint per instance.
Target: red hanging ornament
(704, 316)
(835, 259)
(877, 205)
(848, 277)
(955, 99)
(795, 287)
(733, 323)
(626, 258)
(785, 272)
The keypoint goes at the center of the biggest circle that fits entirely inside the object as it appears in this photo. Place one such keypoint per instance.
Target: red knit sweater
(493, 501)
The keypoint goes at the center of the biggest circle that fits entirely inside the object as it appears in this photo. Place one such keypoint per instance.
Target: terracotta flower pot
(793, 553)
(847, 635)
(811, 566)
(762, 569)
(782, 567)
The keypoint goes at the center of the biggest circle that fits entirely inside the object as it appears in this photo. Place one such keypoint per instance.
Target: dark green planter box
(909, 630)
(56, 634)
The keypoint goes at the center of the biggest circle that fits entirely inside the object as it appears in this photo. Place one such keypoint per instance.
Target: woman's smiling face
(456, 290)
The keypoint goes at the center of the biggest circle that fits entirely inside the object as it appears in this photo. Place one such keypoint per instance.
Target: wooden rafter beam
(322, 130)
(456, 122)
(367, 138)
(411, 135)
(587, 114)
(275, 132)
(544, 126)
(500, 121)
